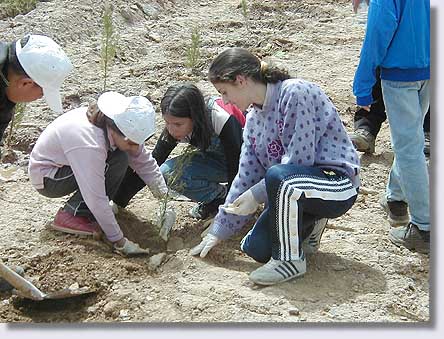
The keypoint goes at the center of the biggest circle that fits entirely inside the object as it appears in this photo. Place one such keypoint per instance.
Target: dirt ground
(357, 276)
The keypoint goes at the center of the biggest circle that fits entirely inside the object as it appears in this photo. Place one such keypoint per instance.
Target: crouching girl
(87, 151)
(296, 158)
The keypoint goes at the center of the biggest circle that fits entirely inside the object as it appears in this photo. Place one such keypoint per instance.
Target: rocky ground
(357, 276)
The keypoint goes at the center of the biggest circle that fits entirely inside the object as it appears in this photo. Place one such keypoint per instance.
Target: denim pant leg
(201, 177)
(295, 192)
(407, 104)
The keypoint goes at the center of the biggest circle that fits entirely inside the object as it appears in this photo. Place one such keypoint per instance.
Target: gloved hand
(158, 188)
(207, 243)
(245, 204)
(130, 248)
(167, 222)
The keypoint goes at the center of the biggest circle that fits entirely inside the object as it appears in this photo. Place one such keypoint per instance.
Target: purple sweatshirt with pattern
(299, 125)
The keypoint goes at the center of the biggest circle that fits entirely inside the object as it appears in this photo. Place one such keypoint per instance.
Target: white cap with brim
(46, 64)
(134, 116)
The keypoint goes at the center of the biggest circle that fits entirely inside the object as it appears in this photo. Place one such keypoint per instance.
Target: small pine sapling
(173, 184)
(16, 120)
(193, 52)
(109, 42)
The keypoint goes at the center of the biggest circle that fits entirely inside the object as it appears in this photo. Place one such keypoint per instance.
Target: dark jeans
(372, 121)
(64, 183)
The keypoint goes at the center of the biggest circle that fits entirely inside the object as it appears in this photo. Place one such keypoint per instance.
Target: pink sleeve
(233, 110)
(88, 166)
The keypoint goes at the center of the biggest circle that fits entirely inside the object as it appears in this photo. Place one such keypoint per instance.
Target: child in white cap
(88, 151)
(30, 68)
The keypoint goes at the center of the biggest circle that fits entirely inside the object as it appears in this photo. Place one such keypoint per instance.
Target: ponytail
(239, 61)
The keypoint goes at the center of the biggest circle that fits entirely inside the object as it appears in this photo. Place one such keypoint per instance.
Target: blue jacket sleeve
(381, 26)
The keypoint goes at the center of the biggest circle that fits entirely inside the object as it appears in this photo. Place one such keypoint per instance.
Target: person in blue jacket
(397, 40)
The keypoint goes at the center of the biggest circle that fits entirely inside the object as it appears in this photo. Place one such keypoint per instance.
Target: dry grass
(11, 8)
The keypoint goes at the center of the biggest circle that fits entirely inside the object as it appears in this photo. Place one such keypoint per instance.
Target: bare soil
(357, 276)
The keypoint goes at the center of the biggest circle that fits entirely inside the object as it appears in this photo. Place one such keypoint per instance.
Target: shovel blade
(69, 293)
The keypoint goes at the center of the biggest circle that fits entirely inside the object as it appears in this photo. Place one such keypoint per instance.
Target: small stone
(339, 267)
(111, 308)
(156, 260)
(124, 314)
(92, 309)
(154, 37)
(294, 311)
(74, 287)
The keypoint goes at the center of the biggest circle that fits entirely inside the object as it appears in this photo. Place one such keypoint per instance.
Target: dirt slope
(358, 275)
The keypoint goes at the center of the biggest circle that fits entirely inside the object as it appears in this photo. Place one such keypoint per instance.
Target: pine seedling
(16, 120)
(193, 52)
(109, 42)
(173, 184)
(244, 9)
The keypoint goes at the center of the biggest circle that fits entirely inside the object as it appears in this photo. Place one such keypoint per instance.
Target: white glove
(207, 243)
(166, 223)
(158, 188)
(130, 248)
(245, 204)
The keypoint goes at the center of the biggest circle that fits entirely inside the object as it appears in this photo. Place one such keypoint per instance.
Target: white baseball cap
(134, 116)
(45, 63)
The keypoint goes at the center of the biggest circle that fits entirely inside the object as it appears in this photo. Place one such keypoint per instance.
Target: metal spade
(26, 289)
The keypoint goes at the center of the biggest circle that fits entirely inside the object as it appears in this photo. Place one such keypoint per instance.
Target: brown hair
(98, 119)
(239, 61)
(13, 62)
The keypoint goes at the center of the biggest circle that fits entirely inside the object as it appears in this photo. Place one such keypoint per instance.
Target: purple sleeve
(250, 173)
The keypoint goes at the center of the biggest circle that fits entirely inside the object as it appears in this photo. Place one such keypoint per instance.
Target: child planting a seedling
(214, 129)
(87, 151)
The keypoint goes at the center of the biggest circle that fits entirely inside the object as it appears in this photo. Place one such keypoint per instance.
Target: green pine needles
(193, 51)
(109, 42)
(244, 8)
(16, 120)
(173, 182)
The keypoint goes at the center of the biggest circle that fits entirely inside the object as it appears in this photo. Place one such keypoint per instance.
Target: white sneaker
(313, 241)
(277, 271)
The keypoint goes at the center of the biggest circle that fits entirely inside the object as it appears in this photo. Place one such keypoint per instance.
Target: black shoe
(363, 140)
(411, 237)
(205, 211)
(397, 211)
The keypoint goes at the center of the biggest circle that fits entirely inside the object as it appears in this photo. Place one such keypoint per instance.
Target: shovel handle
(22, 285)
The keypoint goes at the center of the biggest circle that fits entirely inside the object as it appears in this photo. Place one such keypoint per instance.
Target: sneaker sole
(361, 144)
(399, 243)
(269, 283)
(69, 231)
